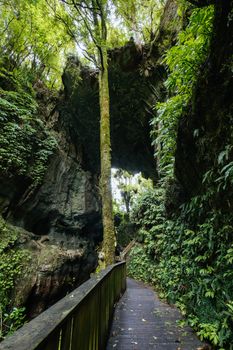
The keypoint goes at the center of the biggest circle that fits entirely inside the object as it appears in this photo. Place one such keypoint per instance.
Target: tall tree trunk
(127, 202)
(105, 155)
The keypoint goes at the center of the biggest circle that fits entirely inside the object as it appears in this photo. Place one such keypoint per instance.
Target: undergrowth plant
(188, 256)
(25, 142)
(183, 63)
(191, 264)
(12, 263)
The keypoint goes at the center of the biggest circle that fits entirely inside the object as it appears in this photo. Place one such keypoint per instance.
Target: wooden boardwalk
(142, 322)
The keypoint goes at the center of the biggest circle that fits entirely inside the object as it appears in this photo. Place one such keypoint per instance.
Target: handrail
(127, 249)
(79, 321)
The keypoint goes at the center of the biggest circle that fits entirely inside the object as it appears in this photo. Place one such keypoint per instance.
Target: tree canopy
(33, 39)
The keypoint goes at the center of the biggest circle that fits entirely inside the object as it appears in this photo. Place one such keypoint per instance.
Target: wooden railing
(127, 250)
(79, 321)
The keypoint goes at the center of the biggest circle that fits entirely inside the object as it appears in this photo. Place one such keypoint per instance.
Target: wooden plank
(66, 335)
(52, 342)
(102, 314)
(80, 330)
(142, 321)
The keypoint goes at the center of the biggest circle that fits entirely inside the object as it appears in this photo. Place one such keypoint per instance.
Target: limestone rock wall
(207, 129)
(63, 213)
(60, 221)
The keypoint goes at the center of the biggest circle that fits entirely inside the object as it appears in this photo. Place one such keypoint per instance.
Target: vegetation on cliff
(12, 263)
(26, 142)
(183, 62)
(187, 249)
(32, 56)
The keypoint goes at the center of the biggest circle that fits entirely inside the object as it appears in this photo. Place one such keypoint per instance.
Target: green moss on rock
(25, 141)
(13, 260)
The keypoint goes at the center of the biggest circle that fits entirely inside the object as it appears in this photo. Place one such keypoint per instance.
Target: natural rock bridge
(82, 319)
(64, 211)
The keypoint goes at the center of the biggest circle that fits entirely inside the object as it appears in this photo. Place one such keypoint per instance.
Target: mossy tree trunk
(105, 140)
(105, 155)
(93, 15)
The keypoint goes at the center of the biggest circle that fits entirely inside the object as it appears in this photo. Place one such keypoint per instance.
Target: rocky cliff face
(66, 206)
(64, 215)
(209, 121)
(61, 216)
(129, 93)
(51, 271)
(136, 76)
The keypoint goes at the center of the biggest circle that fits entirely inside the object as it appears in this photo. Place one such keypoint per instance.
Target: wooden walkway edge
(142, 322)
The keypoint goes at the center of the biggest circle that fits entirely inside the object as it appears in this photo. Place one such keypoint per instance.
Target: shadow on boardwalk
(142, 322)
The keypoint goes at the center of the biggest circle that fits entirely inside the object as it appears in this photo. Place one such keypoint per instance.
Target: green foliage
(140, 19)
(183, 61)
(127, 186)
(33, 40)
(125, 230)
(12, 321)
(12, 263)
(147, 215)
(141, 265)
(25, 142)
(149, 208)
(189, 256)
(222, 173)
(190, 261)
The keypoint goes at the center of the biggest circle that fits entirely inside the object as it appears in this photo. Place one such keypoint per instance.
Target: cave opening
(126, 187)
